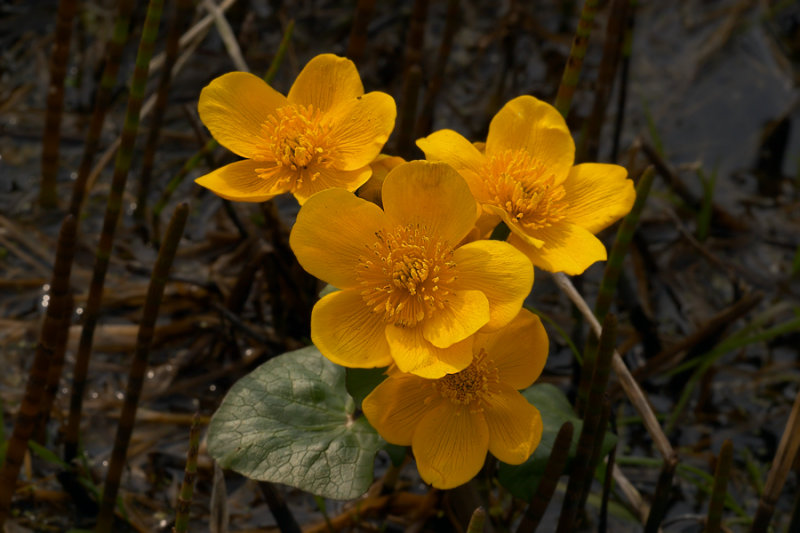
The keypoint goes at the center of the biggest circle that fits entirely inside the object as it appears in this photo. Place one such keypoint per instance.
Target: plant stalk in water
(48, 193)
(112, 215)
(37, 377)
(144, 339)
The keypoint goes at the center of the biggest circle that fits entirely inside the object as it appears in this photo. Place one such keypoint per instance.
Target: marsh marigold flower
(526, 178)
(451, 422)
(410, 293)
(323, 134)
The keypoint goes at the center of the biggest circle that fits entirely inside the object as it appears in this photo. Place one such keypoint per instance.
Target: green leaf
(397, 453)
(291, 421)
(522, 480)
(361, 381)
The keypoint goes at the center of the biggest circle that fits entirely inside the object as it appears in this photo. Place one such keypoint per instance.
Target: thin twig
(227, 36)
(629, 385)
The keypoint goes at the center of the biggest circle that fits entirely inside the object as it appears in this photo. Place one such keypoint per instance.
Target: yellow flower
(451, 422)
(409, 293)
(323, 134)
(526, 178)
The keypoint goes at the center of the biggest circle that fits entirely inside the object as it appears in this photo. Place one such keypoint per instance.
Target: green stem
(102, 101)
(189, 476)
(572, 70)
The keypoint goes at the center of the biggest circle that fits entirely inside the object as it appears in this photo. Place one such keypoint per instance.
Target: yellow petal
(567, 248)
(452, 148)
(381, 166)
(518, 351)
(334, 228)
(361, 126)
(329, 178)
(433, 196)
(465, 312)
(234, 106)
(515, 426)
(450, 445)
(396, 406)
(326, 81)
(347, 333)
(598, 195)
(526, 123)
(413, 354)
(240, 182)
(500, 272)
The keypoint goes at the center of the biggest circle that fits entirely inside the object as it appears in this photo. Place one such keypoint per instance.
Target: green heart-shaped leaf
(291, 421)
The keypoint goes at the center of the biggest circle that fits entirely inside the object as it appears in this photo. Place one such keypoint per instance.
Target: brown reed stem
(37, 378)
(358, 33)
(597, 450)
(779, 471)
(661, 496)
(608, 480)
(48, 192)
(572, 70)
(408, 111)
(412, 78)
(133, 391)
(581, 473)
(547, 484)
(720, 488)
(56, 369)
(112, 215)
(102, 102)
(189, 476)
(178, 22)
(612, 51)
(599, 405)
(625, 64)
(425, 119)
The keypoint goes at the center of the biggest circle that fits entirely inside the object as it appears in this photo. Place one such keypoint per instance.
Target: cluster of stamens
(523, 187)
(406, 274)
(471, 386)
(296, 139)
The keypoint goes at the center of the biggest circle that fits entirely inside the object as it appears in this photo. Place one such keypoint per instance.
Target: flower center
(522, 186)
(406, 275)
(472, 385)
(296, 139)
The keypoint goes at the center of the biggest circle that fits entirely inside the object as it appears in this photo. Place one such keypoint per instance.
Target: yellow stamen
(405, 275)
(523, 187)
(298, 143)
(473, 385)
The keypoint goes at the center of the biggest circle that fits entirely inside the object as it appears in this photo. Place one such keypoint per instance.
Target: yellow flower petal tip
(410, 292)
(452, 422)
(524, 176)
(324, 134)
